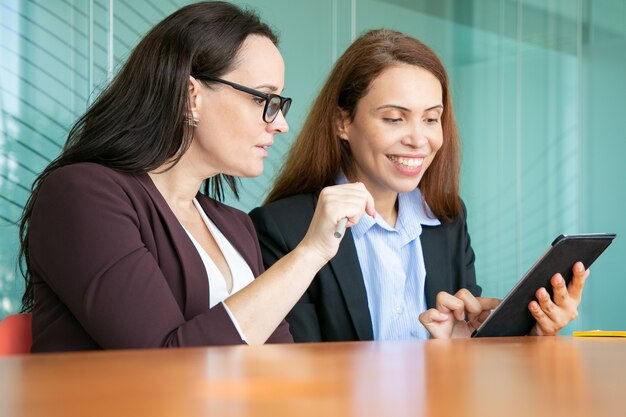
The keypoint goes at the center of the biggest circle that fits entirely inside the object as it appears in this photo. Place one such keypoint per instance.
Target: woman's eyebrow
(392, 106)
(395, 106)
(438, 106)
(272, 88)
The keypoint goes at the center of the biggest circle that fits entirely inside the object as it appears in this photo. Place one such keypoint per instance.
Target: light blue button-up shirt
(392, 262)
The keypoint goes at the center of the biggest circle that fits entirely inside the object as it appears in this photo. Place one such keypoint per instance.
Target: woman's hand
(335, 203)
(264, 303)
(552, 316)
(457, 315)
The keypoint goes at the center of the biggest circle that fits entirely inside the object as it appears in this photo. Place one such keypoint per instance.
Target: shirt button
(399, 310)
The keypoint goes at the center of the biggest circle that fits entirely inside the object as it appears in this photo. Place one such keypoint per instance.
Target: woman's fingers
(576, 285)
(438, 324)
(545, 326)
(458, 315)
(346, 201)
(431, 316)
(559, 290)
(471, 304)
(552, 314)
(370, 207)
(448, 303)
(489, 304)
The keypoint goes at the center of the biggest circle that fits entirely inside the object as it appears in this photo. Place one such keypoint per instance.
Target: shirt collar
(413, 212)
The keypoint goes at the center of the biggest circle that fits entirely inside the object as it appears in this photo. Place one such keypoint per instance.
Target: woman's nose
(279, 124)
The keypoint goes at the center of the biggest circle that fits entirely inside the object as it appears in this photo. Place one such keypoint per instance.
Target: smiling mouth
(409, 163)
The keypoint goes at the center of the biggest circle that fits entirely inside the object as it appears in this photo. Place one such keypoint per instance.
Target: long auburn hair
(140, 121)
(319, 154)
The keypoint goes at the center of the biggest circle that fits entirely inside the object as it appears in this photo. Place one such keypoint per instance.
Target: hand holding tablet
(512, 316)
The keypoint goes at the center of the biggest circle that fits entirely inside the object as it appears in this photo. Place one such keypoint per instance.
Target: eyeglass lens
(274, 105)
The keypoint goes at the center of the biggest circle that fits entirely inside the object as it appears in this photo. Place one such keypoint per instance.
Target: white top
(240, 271)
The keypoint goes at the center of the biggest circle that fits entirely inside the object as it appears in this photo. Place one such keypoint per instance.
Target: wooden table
(526, 376)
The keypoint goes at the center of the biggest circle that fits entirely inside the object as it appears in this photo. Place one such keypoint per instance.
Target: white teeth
(407, 162)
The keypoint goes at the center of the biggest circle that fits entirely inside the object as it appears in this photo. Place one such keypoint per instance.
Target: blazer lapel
(347, 270)
(191, 265)
(434, 248)
(232, 229)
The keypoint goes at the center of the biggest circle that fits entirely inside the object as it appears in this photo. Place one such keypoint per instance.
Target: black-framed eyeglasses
(273, 102)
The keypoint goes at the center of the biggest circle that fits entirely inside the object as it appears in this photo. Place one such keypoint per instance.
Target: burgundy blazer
(113, 268)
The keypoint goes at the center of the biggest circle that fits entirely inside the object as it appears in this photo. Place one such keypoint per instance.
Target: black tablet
(512, 317)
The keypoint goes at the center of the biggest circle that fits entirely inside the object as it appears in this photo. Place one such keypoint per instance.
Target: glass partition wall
(538, 88)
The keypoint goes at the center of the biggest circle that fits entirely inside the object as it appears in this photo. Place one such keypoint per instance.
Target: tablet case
(512, 317)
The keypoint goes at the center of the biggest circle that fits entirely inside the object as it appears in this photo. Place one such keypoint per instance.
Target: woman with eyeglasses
(120, 248)
(384, 117)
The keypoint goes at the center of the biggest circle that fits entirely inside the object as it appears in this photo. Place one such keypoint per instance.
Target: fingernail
(579, 267)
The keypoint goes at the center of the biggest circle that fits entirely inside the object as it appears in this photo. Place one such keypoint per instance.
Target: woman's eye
(258, 100)
(391, 120)
(432, 121)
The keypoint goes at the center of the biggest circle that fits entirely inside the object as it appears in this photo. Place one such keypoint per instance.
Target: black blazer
(335, 308)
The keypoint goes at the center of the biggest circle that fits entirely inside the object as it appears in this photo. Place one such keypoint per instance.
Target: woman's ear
(195, 99)
(342, 121)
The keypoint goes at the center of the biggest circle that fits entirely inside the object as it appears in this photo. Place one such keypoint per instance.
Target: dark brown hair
(318, 153)
(138, 123)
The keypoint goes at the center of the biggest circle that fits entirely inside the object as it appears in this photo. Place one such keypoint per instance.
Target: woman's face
(396, 130)
(231, 136)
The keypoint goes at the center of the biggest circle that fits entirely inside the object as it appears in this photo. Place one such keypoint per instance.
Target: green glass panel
(538, 87)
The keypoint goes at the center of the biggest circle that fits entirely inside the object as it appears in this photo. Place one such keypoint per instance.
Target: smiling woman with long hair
(384, 117)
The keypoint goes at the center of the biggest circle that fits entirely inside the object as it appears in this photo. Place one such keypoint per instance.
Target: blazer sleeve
(85, 243)
(275, 241)
(449, 259)
(469, 258)
(282, 333)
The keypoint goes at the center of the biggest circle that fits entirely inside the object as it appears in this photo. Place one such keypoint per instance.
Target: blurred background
(538, 86)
